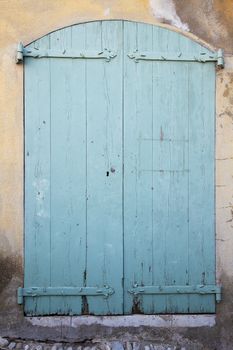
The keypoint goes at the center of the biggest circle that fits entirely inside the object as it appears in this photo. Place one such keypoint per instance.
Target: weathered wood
(37, 180)
(160, 149)
(201, 180)
(119, 172)
(138, 125)
(104, 168)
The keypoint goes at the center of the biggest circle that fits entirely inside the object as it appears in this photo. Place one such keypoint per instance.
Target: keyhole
(107, 173)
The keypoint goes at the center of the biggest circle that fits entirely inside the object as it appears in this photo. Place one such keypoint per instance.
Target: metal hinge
(220, 58)
(19, 53)
(42, 53)
(179, 56)
(198, 289)
(105, 291)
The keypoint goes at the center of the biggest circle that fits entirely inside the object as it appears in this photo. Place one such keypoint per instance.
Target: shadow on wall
(10, 266)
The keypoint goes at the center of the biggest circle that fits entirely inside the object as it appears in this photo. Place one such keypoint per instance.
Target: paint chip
(107, 12)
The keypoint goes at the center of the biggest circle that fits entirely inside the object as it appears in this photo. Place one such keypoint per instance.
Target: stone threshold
(158, 321)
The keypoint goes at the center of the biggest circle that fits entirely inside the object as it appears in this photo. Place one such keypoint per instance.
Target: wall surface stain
(7, 269)
(210, 20)
(165, 11)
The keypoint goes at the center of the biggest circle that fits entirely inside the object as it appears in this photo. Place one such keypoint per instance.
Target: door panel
(168, 119)
(75, 160)
(119, 171)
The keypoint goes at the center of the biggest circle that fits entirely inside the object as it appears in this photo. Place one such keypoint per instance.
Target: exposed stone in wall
(176, 344)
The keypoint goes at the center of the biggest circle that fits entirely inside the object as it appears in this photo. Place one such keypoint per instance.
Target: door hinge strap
(39, 53)
(198, 289)
(105, 291)
(178, 56)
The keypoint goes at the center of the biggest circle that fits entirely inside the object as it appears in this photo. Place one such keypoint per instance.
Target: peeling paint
(41, 188)
(165, 10)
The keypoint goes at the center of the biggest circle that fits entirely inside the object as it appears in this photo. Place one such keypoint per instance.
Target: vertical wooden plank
(161, 188)
(37, 179)
(177, 233)
(201, 192)
(138, 175)
(104, 168)
(112, 37)
(68, 147)
(130, 166)
(144, 146)
(63, 171)
(209, 247)
(180, 192)
(78, 152)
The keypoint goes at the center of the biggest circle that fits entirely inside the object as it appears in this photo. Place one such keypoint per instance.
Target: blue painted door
(119, 172)
(169, 116)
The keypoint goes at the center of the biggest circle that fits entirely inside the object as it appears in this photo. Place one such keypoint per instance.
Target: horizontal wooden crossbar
(108, 55)
(74, 54)
(178, 56)
(198, 289)
(105, 291)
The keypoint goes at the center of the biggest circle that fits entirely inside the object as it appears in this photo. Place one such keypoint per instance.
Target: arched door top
(168, 45)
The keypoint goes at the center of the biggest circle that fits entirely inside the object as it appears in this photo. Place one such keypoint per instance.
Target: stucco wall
(25, 20)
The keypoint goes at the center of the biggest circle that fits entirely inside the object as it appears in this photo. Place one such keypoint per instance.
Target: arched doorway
(119, 172)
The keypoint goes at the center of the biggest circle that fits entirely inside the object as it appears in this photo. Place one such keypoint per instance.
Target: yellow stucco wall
(26, 20)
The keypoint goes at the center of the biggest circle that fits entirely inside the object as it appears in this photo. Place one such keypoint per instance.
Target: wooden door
(119, 172)
(169, 118)
(73, 172)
